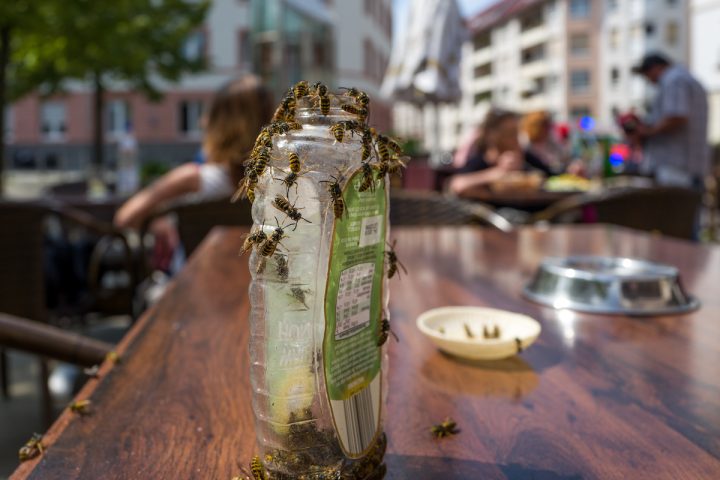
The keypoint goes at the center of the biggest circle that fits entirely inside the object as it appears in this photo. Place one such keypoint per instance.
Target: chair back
(22, 287)
(669, 210)
(195, 220)
(429, 208)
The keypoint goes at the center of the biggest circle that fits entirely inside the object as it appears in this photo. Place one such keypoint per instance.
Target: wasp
(267, 248)
(81, 407)
(384, 331)
(247, 186)
(338, 131)
(281, 128)
(393, 261)
(320, 91)
(299, 294)
(257, 469)
(283, 204)
(264, 139)
(335, 193)
(113, 357)
(289, 180)
(360, 97)
(281, 267)
(300, 89)
(445, 429)
(382, 169)
(383, 149)
(260, 159)
(367, 147)
(252, 239)
(491, 333)
(368, 180)
(32, 448)
(286, 109)
(361, 112)
(294, 161)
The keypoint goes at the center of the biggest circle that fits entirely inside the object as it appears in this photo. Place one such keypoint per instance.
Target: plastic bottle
(299, 430)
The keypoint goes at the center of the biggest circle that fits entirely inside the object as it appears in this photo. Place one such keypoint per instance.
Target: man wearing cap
(675, 132)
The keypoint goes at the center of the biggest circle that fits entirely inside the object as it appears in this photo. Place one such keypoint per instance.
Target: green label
(354, 295)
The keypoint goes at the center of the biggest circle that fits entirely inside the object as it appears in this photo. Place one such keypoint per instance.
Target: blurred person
(235, 116)
(674, 134)
(491, 152)
(537, 129)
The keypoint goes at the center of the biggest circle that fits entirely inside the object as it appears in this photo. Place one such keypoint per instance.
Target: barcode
(360, 420)
(370, 230)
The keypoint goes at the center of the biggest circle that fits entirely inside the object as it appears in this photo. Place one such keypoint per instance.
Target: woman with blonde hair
(235, 116)
(492, 153)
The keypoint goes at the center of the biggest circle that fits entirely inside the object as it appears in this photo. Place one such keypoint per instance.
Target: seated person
(491, 153)
(537, 129)
(235, 116)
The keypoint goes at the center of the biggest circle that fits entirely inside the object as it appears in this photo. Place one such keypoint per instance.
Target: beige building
(569, 57)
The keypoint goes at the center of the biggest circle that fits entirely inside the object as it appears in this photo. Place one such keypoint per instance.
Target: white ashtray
(470, 332)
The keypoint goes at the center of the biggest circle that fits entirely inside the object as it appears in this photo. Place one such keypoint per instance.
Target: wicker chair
(22, 270)
(195, 220)
(429, 208)
(668, 210)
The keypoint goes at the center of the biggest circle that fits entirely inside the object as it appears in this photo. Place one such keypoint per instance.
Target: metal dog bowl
(609, 285)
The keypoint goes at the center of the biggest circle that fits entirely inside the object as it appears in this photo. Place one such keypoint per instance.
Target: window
(532, 54)
(671, 33)
(534, 87)
(118, 115)
(190, 115)
(531, 20)
(483, 97)
(614, 76)
(482, 41)
(193, 48)
(52, 120)
(579, 112)
(649, 29)
(483, 70)
(579, 8)
(579, 45)
(614, 38)
(579, 81)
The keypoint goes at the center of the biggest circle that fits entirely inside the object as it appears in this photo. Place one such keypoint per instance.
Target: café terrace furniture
(596, 396)
(409, 207)
(23, 258)
(667, 210)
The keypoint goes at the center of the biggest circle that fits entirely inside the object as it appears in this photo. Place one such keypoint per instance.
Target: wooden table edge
(87, 391)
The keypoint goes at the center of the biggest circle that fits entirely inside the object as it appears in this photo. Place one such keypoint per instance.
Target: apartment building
(630, 28)
(705, 56)
(569, 57)
(341, 42)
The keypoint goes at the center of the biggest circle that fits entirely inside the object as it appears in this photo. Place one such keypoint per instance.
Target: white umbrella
(425, 64)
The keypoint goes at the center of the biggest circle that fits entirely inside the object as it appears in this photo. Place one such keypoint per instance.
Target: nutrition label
(352, 310)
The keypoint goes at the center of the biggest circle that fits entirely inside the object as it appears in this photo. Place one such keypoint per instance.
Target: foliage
(136, 42)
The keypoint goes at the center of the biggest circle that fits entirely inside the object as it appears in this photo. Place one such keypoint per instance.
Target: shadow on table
(419, 468)
(508, 378)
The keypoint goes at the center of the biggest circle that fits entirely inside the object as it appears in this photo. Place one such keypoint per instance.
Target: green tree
(128, 44)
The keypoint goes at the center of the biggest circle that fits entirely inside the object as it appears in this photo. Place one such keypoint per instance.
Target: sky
(467, 7)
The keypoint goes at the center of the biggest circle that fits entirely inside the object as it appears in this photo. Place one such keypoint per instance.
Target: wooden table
(595, 397)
